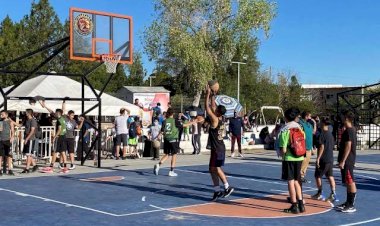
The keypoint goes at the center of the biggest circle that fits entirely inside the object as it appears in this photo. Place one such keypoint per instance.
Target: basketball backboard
(94, 33)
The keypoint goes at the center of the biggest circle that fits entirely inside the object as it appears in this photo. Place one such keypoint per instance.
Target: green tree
(136, 71)
(9, 47)
(198, 38)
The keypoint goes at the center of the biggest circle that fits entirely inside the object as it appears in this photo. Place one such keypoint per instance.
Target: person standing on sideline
(346, 159)
(236, 126)
(59, 140)
(325, 161)
(121, 127)
(71, 126)
(196, 132)
(308, 130)
(7, 132)
(291, 164)
(218, 148)
(155, 138)
(29, 141)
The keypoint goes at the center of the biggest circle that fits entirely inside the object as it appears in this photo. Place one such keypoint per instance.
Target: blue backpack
(132, 130)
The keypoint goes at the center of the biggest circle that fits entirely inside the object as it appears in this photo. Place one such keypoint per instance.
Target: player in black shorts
(325, 161)
(29, 141)
(346, 159)
(7, 132)
(218, 149)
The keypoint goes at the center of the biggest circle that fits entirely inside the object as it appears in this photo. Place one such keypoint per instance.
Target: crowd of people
(295, 141)
(316, 135)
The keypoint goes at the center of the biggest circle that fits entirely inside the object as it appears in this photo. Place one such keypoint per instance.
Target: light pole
(152, 76)
(238, 85)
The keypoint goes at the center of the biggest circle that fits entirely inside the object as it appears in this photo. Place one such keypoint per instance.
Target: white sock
(216, 188)
(226, 185)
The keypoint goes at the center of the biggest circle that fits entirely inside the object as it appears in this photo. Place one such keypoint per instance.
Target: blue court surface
(137, 197)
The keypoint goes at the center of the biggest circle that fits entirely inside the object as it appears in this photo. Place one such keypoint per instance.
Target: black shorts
(29, 147)
(325, 169)
(60, 144)
(348, 174)
(217, 158)
(5, 147)
(171, 147)
(291, 170)
(70, 144)
(122, 138)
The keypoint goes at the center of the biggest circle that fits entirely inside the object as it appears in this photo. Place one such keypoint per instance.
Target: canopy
(61, 86)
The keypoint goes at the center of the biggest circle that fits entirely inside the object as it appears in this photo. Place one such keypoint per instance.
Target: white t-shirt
(121, 124)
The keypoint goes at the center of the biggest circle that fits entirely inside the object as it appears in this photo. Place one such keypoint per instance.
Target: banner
(148, 102)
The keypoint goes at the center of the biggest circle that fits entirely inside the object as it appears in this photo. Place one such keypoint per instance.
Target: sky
(322, 41)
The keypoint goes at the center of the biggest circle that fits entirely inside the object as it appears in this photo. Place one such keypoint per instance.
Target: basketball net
(111, 61)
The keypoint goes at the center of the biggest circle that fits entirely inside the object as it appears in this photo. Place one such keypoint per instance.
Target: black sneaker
(35, 168)
(349, 209)
(294, 209)
(25, 171)
(10, 173)
(305, 181)
(228, 192)
(301, 206)
(341, 206)
(216, 196)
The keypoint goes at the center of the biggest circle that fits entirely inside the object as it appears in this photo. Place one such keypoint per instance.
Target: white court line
(334, 169)
(361, 222)
(283, 191)
(242, 178)
(76, 206)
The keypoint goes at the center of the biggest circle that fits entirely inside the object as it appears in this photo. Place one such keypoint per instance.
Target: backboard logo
(83, 24)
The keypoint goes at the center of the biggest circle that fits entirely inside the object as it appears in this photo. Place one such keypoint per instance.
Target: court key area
(128, 195)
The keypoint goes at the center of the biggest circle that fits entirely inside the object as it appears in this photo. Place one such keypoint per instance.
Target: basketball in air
(214, 86)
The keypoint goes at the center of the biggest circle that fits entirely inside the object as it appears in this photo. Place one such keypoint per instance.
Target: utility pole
(238, 85)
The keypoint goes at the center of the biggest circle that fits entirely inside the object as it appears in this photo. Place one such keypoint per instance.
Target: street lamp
(245, 57)
(152, 76)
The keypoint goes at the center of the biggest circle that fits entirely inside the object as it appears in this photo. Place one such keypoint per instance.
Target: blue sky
(323, 41)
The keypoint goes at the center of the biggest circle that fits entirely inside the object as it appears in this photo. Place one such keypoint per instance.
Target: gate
(365, 103)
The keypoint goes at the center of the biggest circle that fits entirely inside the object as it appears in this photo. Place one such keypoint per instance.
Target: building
(324, 96)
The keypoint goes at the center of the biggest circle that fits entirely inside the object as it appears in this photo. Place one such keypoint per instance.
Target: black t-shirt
(348, 135)
(216, 138)
(326, 138)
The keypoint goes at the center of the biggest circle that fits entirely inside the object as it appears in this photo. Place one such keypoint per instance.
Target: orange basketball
(214, 86)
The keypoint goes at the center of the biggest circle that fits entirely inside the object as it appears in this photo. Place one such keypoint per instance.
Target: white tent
(60, 86)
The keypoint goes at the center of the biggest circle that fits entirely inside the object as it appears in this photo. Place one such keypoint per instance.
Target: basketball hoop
(111, 61)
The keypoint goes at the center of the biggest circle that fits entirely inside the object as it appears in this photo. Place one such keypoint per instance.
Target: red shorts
(348, 174)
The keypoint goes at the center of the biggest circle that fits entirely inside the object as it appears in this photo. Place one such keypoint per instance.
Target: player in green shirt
(170, 132)
(291, 165)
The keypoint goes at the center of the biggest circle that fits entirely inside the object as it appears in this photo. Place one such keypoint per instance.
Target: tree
(198, 38)
(9, 46)
(136, 71)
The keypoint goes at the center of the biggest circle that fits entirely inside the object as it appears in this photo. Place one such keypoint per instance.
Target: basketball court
(137, 197)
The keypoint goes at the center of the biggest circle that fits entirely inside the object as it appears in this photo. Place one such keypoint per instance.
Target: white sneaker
(59, 166)
(233, 155)
(172, 174)
(72, 167)
(241, 155)
(156, 169)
